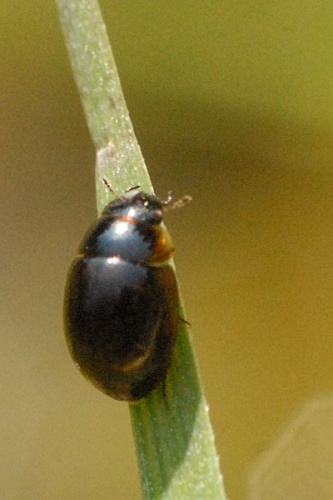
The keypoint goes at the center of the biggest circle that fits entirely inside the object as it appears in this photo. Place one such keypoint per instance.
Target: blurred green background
(231, 103)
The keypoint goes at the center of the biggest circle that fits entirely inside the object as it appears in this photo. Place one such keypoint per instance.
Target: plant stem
(172, 431)
(119, 157)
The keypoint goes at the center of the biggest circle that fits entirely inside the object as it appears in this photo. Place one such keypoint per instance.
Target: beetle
(121, 298)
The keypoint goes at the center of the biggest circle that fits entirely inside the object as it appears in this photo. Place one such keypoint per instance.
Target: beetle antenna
(168, 201)
(133, 188)
(176, 204)
(108, 185)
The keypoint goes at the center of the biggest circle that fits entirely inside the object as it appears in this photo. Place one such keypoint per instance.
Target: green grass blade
(174, 439)
(118, 154)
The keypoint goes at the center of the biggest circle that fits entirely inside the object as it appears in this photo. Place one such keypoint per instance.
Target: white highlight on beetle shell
(120, 228)
(113, 260)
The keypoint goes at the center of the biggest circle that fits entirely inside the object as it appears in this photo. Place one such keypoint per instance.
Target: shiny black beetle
(121, 299)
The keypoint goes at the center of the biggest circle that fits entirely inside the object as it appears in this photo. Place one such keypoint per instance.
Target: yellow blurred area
(232, 103)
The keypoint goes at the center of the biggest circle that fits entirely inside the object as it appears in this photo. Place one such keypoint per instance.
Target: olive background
(231, 103)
